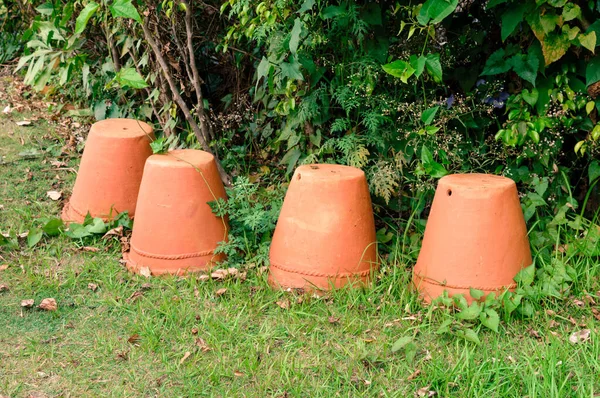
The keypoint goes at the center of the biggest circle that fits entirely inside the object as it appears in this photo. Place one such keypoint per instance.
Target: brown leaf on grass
(48, 304)
(552, 324)
(54, 195)
(237, 373)
(7, 110)
(3, 288)
(285, 304)
(203, 278)
(221, 274)
(118, 231)
(596, 314)
(578, 303)
(123, 355)
(58, 163)
(146, 286)
(534, 333)
(194, 331)
(333, 319)
(3, 267)
(93, 287)
(90, 249)
(24, 123)
(220, 292)
(202, 344)
(425, 392)
(134, 339)
(414, 375)
(580, 336)
(589, 299)
(262, 270)
(136, 295)
(125, 246)
(27, 303)
(185, 356)
(145, 271)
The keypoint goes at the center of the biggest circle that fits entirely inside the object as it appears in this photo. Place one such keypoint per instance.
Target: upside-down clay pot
(111, 170)
(325, 235)
(475, 237)
(175, 230)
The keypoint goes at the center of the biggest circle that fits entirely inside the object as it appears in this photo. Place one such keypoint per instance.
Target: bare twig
(204, 123)
(180, 101)
(114, 52)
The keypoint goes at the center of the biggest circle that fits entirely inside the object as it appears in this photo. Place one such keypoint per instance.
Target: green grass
(337, 345)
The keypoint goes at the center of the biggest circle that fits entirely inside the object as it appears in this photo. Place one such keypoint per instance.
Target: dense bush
(407, 91)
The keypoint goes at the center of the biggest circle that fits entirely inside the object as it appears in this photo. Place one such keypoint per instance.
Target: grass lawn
(170, 336)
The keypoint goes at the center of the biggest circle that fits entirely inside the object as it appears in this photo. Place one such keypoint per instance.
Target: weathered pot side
(325, 235)
(175, 230)
(475, 237)
(111, 170)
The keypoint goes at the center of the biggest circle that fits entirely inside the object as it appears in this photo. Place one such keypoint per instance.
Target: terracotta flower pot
(111, 169)
(325, 235)
(175, 230)
(475, 237)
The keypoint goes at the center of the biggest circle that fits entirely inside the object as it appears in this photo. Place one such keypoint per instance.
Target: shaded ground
(179, 337)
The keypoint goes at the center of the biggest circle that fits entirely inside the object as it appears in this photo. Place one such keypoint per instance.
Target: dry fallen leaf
(125, 246)
(93, 287)
(3, 267)
(580, 336)
(145, 271)
(237, 373)
(285, 304)
(24, 123)
(48, 304)
(425, 392)
(136, 295)
(220, 292)
(134, 339)
(202, 344)
(194, 331)
(221, 274)
(58, 163)
(427, 356)
(414, 375)
(118, 231)
(3, 288)
(185, 356)
(332, 319)
(54, 195)
(7, 110)
(123, 355)
(90, 249)
(27, 303)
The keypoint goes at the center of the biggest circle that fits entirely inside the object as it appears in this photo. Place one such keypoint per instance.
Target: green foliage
(252, 213)
(89, 228)
(10, 46)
